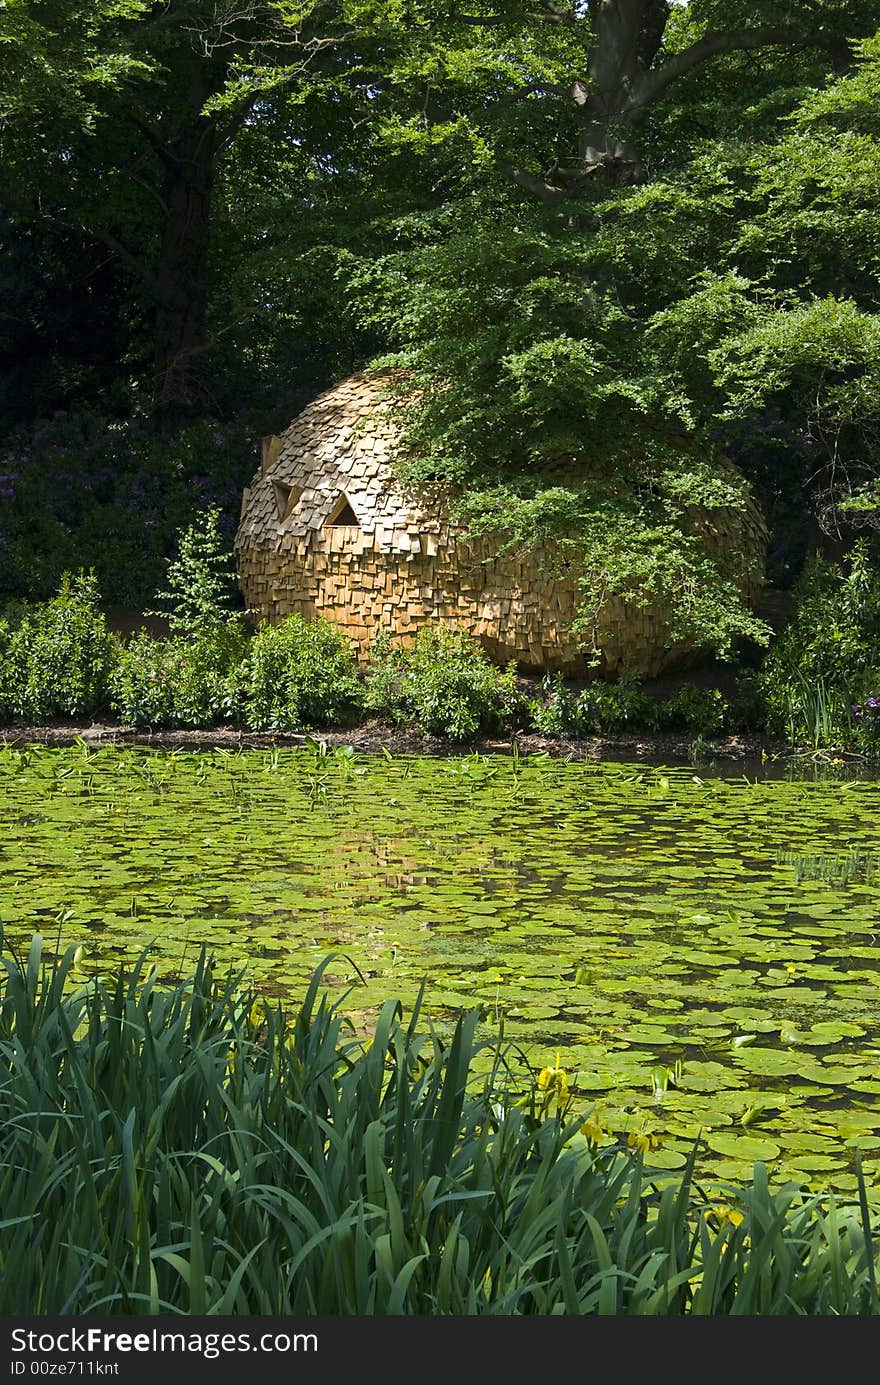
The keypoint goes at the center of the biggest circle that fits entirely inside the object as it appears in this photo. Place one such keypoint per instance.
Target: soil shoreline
(377, 737)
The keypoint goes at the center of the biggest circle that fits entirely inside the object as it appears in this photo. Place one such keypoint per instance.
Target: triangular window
(342, 513)
(286, 498)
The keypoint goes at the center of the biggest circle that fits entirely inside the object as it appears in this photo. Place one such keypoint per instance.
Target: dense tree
(809, 259)
(607, 240)
(115, 117)
(62, 305)
(601, 311)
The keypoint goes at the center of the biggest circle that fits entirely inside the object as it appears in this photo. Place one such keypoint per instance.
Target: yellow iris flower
(553, 1082)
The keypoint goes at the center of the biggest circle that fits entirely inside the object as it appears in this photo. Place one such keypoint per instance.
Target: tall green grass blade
(160, 1152)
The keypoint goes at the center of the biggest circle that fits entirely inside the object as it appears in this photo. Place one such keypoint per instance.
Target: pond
(702, 951)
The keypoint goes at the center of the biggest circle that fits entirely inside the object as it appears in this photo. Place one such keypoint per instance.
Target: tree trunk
(622, 82)
(187, 144)
(628, 34)
(180, 326)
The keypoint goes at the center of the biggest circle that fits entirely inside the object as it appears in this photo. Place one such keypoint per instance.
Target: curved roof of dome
(337, 453)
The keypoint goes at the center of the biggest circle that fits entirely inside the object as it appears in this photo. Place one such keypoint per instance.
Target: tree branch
(231, 127)
(154, 139)
(30, 209)
(651, 85)
(531, 182)
(131, 262)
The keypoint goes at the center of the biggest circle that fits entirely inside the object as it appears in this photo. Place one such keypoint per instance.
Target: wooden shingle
(405, 565)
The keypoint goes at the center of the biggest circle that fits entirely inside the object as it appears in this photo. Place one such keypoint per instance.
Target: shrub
(747, 710)
(84, 490)
(865, 717)
(444, 683)
(826, 663)
(559, 714)
(703, 711)
(200, 580)
(6, 704)
(598, 709)
(59, 657)
(188, 680)
(297, 674)
(178, 682)
(619, 706)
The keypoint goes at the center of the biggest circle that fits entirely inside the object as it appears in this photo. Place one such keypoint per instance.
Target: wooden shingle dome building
(326, 530)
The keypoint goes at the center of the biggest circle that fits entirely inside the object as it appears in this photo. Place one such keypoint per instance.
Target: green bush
(597, 710)
(200, 580)
(85, 490)
(191, 1150)
(620, 706)
(558, 713)
(58, 658)
(702, 711)
(445, 684)
(6, 704)
(298, 674)
(821, 674)
(747, 710)
(188, 680)
(178, 682)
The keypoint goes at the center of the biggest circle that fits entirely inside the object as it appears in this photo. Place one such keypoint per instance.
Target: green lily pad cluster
(650, 926)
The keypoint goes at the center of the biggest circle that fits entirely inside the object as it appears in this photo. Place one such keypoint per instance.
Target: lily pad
(599, 912)
(745, 1147)
(665, 1159)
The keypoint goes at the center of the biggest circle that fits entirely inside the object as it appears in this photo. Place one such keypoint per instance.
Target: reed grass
(817, 714)
(192, 1149)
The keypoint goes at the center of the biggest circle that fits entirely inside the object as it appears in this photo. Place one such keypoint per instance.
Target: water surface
(702, 950)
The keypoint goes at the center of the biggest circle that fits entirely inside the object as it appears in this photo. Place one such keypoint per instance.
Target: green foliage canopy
(607, 241)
